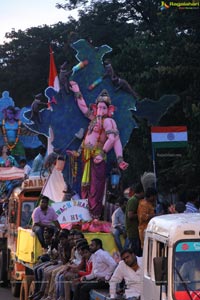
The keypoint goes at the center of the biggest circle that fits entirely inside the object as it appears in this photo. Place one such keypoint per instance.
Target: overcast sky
(23, 14)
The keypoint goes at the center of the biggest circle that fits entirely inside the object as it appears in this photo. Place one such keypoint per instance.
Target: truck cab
(171, 257)
(21, 204)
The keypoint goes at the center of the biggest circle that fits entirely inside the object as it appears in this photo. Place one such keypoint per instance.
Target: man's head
(38, 96)
(48, 233)
(44, 202)
(139, 189)
(42, 150)
(77, 236)
(129, 257)
(81, 243)
(71, 239)
(22, 163)
(123, 202)
(151, 194)
(63, 237)
(95, 245)
(85, 252)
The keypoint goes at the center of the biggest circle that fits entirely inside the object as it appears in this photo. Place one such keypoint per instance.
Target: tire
(15, 288)
(3, 268)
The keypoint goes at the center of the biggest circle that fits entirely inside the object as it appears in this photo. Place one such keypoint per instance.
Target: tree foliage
(156, 51)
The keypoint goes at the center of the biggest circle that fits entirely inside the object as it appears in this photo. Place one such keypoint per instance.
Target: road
(5, 293)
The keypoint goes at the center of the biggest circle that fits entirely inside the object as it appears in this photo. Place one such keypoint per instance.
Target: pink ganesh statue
(102, 135)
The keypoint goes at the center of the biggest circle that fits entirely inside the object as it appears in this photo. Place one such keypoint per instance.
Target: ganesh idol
(102, 135)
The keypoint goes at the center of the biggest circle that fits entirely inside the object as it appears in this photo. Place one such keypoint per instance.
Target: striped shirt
(191, 208)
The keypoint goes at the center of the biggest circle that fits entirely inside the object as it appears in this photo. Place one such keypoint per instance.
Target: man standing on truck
(131, 220)
(44, 216)
(118, 224)
(146, 211)
(130, 270)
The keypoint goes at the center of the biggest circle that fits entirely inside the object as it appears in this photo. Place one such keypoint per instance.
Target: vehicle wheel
(3, 268)
(15, 288)
(24, 290)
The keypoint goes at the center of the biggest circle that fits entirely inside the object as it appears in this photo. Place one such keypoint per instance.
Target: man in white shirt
(38, 161)
(130, 270)
(103, 266)
(27, 169)
(118, 224)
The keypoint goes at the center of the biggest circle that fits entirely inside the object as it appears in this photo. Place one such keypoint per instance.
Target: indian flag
(169, 137)
(53, 75)
(55, 184)
(54, 82)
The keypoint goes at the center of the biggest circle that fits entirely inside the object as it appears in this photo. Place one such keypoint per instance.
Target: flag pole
(154, 162)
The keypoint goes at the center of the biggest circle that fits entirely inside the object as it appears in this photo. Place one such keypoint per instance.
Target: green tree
(156, 51)
(24, 60)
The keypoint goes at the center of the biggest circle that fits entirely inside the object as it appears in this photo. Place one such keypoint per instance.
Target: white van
(172, 257)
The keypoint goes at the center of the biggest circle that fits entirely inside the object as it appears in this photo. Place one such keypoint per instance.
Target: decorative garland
(10, 147)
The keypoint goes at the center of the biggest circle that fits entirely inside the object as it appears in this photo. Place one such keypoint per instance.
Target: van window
(27, 209)
(155, 249)
(186, 269)
(33, 194)
(161, 249)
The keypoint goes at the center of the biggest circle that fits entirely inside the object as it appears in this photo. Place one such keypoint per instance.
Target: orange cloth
(145, 212)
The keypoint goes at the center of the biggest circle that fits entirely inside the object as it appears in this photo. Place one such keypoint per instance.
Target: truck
(11, 270)
(170, 241)
(19, 247)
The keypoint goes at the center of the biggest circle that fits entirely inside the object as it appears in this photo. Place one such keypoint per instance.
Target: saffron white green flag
(169, 136)
(55, 184)
(53, 75)
(54, 82)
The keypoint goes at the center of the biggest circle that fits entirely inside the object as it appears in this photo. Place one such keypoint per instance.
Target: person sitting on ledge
(44, 216)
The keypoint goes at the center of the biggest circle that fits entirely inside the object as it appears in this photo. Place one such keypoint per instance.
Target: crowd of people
(71, 267)
(7, 160)
(131, 218)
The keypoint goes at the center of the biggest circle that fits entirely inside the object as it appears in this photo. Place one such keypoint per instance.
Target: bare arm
(79, 98)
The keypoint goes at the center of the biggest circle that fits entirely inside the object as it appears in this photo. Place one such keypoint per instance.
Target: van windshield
(187, 270)
(27, 209)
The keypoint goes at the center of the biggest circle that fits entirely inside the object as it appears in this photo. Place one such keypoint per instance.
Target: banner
(72, 211)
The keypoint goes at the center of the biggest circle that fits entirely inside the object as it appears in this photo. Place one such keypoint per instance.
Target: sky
(23, 14)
